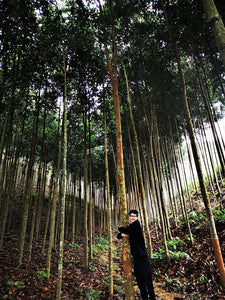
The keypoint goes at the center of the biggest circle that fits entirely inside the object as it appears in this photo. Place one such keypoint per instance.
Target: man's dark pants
(143, 273)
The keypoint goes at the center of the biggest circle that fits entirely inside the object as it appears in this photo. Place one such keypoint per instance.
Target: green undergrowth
(175, 247)
(74, 245)
(219, 214)
(91, 294)
(175, 283)
(198, 219)
(8, 287)
(100, 244)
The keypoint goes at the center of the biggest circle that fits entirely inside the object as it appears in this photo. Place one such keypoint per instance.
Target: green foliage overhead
(34, 35)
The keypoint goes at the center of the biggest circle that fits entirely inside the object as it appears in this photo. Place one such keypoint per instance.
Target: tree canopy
(167, 59)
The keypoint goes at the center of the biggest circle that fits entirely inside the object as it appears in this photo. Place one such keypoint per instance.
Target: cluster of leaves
(173, 283)
(36, 33)
(74, 245)
(174, 247)
(174, 255)
(220, 214)
(91, 294)
(9, 288)
(101, 244)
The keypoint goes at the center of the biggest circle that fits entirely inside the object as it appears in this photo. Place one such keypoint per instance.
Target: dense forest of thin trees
(107, 106)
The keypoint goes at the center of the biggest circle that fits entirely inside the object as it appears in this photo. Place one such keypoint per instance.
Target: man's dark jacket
(137, 241)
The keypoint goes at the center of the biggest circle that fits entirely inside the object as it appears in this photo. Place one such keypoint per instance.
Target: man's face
(132, 218)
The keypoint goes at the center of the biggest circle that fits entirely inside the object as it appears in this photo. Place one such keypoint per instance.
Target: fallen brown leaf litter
(192, 277)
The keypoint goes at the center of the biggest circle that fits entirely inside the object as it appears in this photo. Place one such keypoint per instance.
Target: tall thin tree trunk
(212, 227)
(55, 185)
(62, 219)
(127, 268)
(48, 210)
(10, 105)
(149, 245)
(85, 193)
(90, 195)
(109, 217)
(217, 26)
(74, 209)
(135, 179)
(209, 108)
(28, 188)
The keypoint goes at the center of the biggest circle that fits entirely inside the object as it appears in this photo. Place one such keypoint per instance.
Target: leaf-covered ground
(191, 277)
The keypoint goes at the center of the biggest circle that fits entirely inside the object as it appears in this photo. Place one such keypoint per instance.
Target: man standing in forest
(142, 267)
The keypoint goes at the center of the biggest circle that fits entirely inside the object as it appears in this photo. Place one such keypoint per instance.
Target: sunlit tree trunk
(127, 268)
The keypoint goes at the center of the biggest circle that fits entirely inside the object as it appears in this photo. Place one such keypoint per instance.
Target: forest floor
(190, 276)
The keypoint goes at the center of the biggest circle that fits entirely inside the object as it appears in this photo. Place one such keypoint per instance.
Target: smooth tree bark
(74, 209)
(191, 167)
(62, 209)
(141, 183)
(210, 218)
(109, 208)
(127, 267)
(151, 161)
(38, 195)
(90, 193)
(7, 182)
(86, 258)
(208, 208)
(209, 108)
(48, 212)
(168, 175)
(5, 206)
(55, 193)
(217, 26)
(16, 63)
(29, 184)
(135, 187)
(165, 226)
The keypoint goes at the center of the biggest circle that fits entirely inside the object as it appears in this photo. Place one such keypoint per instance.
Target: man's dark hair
(133, 211)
